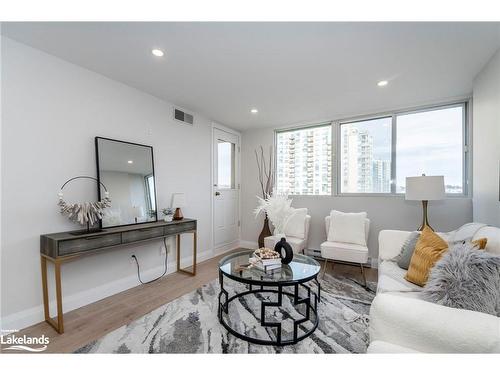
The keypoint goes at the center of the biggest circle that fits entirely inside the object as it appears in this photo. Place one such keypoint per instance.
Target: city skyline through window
(366, 156)
(429, 141)
(304, 161)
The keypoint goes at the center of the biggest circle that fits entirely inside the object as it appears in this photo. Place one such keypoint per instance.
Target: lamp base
(178, 214)
(425, 221)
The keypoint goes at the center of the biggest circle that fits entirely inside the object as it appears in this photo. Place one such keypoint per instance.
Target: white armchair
(346, 252)
(299, 244)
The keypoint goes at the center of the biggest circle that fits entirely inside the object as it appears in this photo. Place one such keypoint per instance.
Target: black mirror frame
(96, 139)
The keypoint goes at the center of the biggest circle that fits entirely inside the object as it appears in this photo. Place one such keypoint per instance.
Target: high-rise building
(381, 176)
(357, 160)
(304, 161)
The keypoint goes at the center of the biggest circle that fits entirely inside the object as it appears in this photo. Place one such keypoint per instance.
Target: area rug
(189, 324)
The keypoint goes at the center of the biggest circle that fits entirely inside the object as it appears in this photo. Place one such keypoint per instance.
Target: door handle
(217, 193)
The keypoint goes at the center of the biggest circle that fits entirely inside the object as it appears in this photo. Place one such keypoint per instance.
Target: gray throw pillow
(466, 278)
(403, 259)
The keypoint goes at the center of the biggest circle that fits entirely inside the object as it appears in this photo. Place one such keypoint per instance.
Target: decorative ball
(285, 250)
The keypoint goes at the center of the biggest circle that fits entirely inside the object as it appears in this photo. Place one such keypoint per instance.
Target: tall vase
(266, 232)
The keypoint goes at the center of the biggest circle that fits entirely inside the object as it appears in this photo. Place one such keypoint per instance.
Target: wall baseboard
(228, 247)
(34, 315)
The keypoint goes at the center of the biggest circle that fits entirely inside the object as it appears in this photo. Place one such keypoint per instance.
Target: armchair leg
(363, 274)
(324, 268)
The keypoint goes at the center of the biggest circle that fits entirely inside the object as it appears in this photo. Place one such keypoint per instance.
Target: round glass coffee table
(290, 280)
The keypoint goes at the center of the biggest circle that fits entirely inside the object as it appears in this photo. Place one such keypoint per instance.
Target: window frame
(466, 149)
(335, 127)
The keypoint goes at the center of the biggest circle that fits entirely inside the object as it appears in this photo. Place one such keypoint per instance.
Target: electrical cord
(159, 277)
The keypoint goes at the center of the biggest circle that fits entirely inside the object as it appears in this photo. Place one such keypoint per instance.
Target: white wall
(384, 212)
(51, 112)
(486, 142)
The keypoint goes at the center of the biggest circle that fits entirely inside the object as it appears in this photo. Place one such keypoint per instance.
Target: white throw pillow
(295, 223)
(347, 227)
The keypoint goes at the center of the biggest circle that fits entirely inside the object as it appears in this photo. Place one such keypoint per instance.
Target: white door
(226, 195)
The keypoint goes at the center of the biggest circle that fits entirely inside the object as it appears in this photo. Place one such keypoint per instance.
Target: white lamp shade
(137, 211)
(425, 188)
(178, 200)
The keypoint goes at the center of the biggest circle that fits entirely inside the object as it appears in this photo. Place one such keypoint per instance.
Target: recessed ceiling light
(130, 162)
(382, 83)
(254, 110)
(157, 52)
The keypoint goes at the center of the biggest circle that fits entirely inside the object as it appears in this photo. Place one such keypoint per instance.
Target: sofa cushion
(404, 258)
(297, 244)
(466, 279)
(347, 252)
(391, 279)
(347, 227)
(429, 249)
(493, 236)
(295, 224)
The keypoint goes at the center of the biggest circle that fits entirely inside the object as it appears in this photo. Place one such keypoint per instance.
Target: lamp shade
(137, 211)
(178, 200)
(425, 188)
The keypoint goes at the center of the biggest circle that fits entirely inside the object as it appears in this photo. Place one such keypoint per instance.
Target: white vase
(168, 218)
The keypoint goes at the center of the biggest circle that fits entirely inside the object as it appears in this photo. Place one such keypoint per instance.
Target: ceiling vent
(183, 116)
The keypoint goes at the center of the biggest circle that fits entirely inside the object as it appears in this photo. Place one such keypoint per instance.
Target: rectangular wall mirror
(127, 171)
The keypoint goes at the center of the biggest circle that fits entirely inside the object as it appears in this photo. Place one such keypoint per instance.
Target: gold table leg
(179, 269)
(59, 325)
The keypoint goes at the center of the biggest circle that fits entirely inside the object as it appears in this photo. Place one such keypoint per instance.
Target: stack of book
(266, 265)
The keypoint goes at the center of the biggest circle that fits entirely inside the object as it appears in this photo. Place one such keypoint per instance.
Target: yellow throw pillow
(480, 243)
(428, 250)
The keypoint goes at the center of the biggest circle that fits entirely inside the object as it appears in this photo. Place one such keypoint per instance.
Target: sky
(427, 142)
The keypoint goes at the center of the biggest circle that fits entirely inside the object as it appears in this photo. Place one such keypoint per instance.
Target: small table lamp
(137, 212)
(425, 188)
(178, 201)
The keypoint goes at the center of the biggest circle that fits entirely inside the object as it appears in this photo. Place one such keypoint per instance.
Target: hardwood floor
(93, 321)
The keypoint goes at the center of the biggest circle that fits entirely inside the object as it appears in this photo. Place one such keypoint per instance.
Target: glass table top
(301, 268)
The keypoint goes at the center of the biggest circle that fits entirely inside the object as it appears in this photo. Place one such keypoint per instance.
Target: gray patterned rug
(189, 324)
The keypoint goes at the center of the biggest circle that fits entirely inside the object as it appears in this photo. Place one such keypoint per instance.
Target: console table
(59, 248)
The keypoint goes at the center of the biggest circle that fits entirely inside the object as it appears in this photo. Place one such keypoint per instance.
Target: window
(365, 156)
(431, 142)
(225, 165)
(304, 161)
(151, 199)
(375, 155)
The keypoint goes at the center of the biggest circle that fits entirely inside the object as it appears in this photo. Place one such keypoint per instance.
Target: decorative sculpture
(87, 213)
(281, 246)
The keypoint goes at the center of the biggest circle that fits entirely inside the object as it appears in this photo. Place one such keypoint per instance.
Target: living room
(250, 187)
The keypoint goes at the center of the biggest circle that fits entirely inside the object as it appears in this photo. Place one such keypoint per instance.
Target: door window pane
(365, 165)
(431, 142)
(304, 161)
(225, 165)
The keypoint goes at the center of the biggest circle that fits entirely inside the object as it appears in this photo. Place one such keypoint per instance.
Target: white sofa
(401, 322)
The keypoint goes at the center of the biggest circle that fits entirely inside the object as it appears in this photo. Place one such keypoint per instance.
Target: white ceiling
(291, 72)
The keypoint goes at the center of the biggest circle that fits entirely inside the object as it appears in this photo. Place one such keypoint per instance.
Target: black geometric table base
(311, 310)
